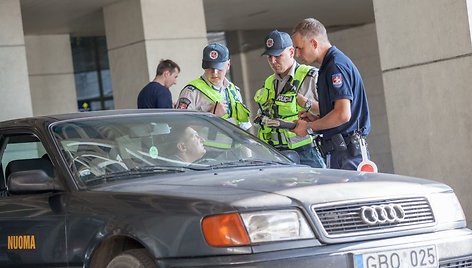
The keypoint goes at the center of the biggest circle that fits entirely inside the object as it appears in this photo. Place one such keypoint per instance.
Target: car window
(110, 148)
(25, 150)
(20, 148)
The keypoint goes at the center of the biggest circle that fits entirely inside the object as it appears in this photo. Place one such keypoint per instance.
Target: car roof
(47, 119)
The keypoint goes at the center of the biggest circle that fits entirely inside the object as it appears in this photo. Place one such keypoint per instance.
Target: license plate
(418, 257)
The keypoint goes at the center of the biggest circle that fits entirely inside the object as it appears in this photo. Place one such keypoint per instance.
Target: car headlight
(255, 227)
(278, 225)
(447, 208)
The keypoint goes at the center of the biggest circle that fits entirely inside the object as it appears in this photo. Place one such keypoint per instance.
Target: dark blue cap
(215, 56)
(276, 42)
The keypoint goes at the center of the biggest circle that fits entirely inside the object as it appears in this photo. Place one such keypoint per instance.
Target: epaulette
(312, 72)
(190, 87)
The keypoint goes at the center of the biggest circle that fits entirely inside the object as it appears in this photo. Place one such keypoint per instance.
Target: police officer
(278, 98)
(344, 113)
(212, 92)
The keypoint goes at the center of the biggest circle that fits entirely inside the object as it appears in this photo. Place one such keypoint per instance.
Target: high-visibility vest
(283, 106)
(238, 111)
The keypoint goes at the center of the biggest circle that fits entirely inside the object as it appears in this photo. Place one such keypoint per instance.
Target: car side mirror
(31, 181)
(292, 155)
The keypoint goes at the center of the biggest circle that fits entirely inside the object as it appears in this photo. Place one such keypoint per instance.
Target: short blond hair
(311, 28)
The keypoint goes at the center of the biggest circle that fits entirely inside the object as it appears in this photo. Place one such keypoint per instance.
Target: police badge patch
(183, 103)
(337, 80)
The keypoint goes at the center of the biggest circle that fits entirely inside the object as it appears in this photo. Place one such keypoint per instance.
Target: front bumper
(454, 246)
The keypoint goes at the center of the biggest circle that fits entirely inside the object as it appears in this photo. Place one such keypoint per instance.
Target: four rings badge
(378, 214)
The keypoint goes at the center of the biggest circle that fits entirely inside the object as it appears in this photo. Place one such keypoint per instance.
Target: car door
(32, 226)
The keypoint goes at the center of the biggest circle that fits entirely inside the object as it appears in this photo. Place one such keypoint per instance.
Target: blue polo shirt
(154, 95)
(339, 79)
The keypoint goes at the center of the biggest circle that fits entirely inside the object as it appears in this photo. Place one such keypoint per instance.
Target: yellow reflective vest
(238, 111)
(282, 106)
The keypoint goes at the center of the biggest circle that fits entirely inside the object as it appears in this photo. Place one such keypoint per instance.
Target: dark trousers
(343, 160)
(311, 156)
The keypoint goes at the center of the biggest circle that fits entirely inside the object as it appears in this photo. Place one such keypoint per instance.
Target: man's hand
(301, 128)
(307, 116)
(219, 109)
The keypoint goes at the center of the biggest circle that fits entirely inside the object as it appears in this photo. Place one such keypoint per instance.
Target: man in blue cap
(213, 92)
(280, 96)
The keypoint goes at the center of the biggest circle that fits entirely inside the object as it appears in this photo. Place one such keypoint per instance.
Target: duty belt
(340, 142)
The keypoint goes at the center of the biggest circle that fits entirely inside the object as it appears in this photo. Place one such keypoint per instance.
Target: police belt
(283, 147)
(341, 142)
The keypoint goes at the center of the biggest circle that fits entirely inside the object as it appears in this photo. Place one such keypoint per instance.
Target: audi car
(176, 188)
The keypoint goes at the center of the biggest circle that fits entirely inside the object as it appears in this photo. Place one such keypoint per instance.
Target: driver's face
(194, 143)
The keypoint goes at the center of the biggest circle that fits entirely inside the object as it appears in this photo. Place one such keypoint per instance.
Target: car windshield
(104, 149)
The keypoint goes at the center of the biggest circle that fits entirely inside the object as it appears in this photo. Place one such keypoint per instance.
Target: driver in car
(185, 144)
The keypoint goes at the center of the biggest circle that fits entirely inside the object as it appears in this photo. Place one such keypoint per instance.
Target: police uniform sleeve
(191, 98)
(308, 86)
(187, 98)
(339, 83)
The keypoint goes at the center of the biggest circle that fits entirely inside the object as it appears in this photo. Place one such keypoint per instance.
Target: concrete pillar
(142, 32)
(51, 74)
(426, 58)
(14, 85)
(248, 68)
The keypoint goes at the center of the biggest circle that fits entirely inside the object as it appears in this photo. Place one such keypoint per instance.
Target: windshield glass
(104, 149)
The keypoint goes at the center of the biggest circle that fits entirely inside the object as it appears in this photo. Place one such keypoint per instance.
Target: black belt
(342, 142)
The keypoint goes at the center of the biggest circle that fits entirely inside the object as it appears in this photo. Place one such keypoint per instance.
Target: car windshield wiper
(137, 172)
(247, 162)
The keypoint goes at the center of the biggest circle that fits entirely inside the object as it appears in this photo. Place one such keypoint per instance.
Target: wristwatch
(307, 105)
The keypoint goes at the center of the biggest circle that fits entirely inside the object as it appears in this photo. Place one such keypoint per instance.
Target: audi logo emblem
(378, 214)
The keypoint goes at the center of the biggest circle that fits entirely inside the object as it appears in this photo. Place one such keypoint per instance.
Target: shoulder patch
(183, 103)
(337, 80)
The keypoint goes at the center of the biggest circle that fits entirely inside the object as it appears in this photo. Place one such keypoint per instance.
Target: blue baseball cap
(276, 42)
(215, 56)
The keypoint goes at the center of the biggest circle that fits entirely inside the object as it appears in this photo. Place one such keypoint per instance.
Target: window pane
(87, 85)
(106, 83)
(90, 58)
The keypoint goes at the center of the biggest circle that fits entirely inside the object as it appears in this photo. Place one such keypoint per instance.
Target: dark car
(171, 188)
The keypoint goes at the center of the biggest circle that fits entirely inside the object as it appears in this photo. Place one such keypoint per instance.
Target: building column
(51, 74)
(14, 85)
(248, 68)
(142, 32)
(426, 58)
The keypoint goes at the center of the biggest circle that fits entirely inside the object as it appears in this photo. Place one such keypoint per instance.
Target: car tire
(134, 258)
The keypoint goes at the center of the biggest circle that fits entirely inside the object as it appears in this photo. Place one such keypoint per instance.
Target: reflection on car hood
(282, 185)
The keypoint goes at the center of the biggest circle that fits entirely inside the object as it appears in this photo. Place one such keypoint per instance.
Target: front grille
(344, 219)
(457, 263)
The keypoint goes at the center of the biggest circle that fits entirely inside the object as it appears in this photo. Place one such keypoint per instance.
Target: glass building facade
(92, 73)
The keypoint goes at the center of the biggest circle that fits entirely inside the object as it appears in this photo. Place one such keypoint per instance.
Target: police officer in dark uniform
(344, 120)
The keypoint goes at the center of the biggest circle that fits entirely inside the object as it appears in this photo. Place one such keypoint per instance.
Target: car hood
(244, 187)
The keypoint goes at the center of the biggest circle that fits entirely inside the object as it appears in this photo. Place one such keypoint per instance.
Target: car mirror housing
(31, 181)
